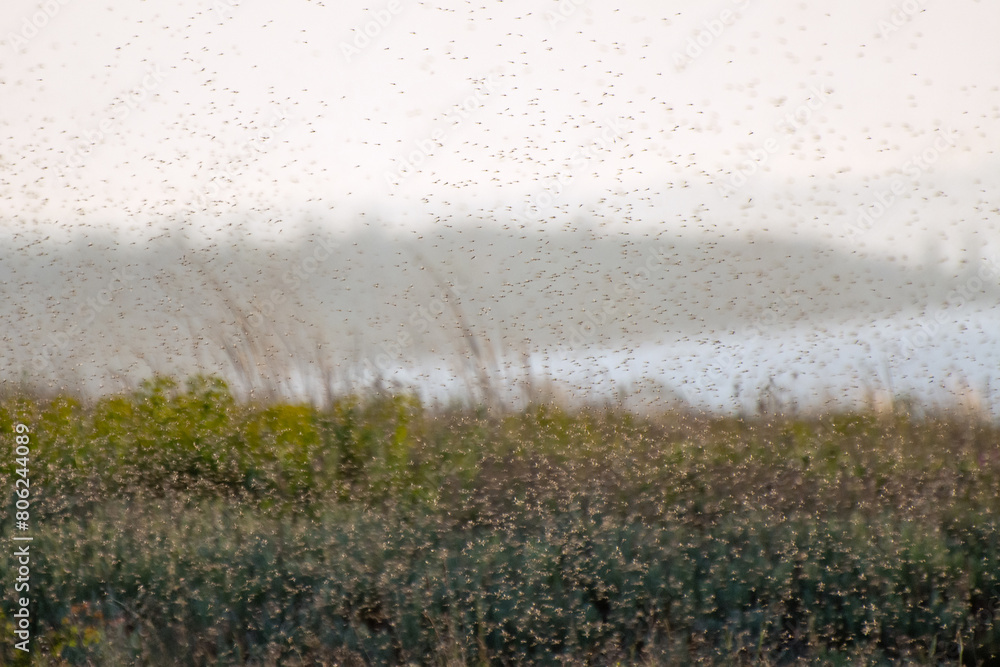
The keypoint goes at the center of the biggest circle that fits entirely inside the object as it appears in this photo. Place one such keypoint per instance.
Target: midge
(363, 36)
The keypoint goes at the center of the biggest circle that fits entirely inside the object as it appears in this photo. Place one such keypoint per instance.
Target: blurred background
(737, 206)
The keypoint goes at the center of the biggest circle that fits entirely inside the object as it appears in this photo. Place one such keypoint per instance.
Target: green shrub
(374, 530)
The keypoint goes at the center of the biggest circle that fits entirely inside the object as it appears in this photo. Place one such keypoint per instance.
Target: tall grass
(176, 524)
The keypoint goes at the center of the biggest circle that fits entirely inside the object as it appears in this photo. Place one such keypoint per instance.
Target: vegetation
(176, 525)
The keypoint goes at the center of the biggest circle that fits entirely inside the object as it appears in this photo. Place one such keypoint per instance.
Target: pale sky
(862, 126)
(597, 112)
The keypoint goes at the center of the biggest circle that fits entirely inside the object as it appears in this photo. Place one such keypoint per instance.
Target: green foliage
(205, 580)
(373, 530)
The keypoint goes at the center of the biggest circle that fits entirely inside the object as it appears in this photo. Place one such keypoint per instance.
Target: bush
(206, 531)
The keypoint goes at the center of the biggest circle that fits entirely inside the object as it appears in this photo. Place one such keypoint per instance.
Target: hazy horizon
(829, 171)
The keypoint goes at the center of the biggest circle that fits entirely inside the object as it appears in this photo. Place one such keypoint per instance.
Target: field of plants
(177, 525)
